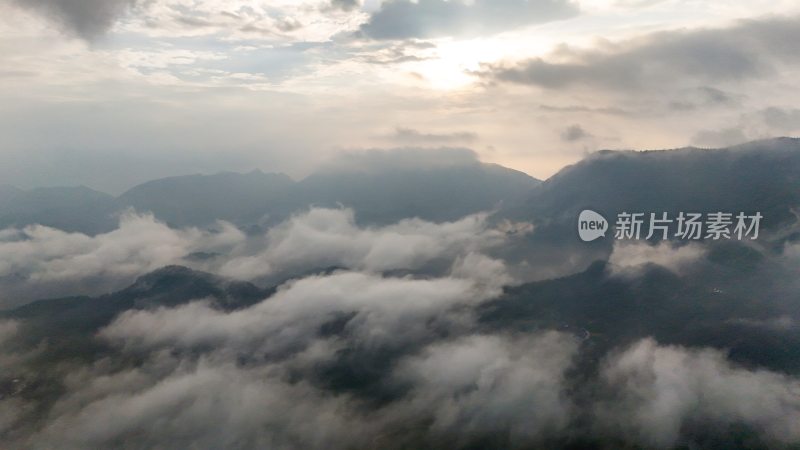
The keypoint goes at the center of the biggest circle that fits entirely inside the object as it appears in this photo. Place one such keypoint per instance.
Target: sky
(111, 93)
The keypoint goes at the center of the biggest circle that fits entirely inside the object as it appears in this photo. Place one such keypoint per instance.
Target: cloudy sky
(110, 93)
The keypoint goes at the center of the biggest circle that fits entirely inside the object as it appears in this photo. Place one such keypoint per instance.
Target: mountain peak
(172, 275)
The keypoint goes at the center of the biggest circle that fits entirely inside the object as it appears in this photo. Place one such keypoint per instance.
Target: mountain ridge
(607, 181)
(257, 199)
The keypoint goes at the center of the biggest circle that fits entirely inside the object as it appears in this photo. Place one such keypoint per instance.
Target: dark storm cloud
(402, 19)
(85, 18)
(750, 49)
(715, 96)
(574, 133)
(345, 5)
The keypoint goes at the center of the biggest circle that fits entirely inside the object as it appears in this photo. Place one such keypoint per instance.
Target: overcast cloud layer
(688, 58)
(130, 91)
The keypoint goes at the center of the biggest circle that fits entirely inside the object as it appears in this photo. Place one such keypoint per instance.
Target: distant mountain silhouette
(257, 199)
(202, 199)
(436, 194)
(69, 323)
(759, 176)
(67, 208)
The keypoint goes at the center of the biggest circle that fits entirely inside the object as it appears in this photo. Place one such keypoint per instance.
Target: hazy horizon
(349, 161)
(109, 94)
